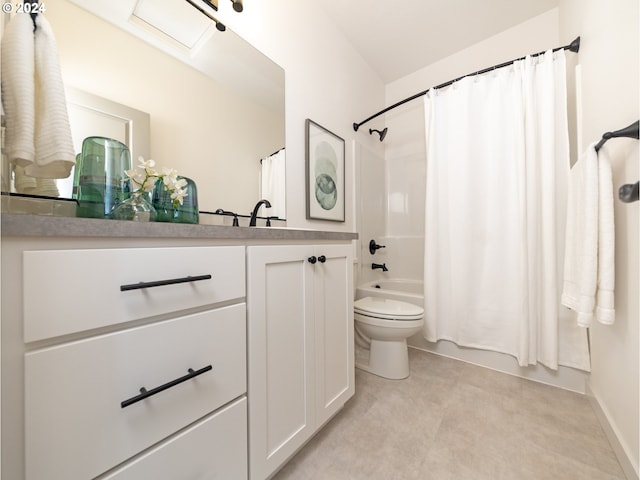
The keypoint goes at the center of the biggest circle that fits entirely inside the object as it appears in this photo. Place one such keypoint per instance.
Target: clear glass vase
(137, 208)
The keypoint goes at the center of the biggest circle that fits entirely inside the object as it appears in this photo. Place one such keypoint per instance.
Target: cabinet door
(333, 329)
(280, 354)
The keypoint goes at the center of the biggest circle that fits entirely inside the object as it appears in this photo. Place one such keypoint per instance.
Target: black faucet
(252, 222)
(373, 246)
(383, 266)
(230, 214)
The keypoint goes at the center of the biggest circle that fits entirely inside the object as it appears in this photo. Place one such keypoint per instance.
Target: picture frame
(325, 173)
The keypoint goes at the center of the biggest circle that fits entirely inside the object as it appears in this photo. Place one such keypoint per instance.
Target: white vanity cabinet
(141, 350)
(135, 363)
(300, 346)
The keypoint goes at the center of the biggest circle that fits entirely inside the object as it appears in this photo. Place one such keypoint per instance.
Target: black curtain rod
(277, 151)
(573, 47)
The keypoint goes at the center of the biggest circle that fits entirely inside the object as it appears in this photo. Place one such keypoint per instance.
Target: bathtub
(410, 291)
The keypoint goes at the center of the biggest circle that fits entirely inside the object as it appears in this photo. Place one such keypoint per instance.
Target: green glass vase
(166, 211)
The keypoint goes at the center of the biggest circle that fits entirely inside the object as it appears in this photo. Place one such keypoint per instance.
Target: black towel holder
(632, 131)
(629, 192)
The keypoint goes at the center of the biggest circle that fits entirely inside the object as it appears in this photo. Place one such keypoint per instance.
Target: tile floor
(455, 421)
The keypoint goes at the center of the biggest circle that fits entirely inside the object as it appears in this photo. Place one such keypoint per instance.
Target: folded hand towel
(589, 251)
(38, 136)
(18, 90)
(55, 155)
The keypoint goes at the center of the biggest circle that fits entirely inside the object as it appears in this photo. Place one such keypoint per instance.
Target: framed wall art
(325, 174)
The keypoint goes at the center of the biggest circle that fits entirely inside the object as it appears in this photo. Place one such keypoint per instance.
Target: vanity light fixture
(237, 5)
(220, 26)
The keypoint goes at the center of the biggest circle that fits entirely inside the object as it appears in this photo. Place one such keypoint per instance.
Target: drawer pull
(144, 393)
(159, 283)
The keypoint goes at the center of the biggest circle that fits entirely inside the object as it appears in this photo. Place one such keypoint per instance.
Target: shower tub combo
(410, 291)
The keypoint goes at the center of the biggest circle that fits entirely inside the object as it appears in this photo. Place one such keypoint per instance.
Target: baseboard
(565, 377)
(621, 454)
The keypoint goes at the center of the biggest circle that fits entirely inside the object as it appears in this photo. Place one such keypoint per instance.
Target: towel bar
(627, 193)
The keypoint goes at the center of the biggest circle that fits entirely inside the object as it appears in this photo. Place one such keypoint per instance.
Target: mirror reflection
(215, 104)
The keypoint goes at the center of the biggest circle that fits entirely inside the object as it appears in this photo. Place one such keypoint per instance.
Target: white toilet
(386, 324)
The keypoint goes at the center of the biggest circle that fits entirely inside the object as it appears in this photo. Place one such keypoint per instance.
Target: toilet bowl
(386, 324)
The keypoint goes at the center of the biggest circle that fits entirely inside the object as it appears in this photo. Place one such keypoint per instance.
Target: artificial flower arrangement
(144, 180)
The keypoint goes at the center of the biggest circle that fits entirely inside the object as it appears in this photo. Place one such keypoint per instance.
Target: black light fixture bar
(219, 25)
(213, 4)
(573, 47)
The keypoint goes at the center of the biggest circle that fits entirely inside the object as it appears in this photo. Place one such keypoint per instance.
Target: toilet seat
(387, 309)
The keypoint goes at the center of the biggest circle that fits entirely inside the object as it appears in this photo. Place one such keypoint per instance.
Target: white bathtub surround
(495, 211)
(372, 217)
(400, 289)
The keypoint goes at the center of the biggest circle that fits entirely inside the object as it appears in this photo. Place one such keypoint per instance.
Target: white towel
(605, 305)
(38, 134)
(18, 90)
(589, 251)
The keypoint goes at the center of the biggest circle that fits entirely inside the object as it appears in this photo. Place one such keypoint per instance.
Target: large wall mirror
(215, 104)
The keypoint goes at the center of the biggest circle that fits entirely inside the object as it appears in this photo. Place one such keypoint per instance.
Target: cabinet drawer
(68, 291)
(216, 447)
(75, 426)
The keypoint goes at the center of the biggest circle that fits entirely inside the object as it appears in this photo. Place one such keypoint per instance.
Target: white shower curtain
(497, 167)
(272, 182)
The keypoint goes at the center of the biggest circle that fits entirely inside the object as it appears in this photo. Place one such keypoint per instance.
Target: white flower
(144, 179)
(146, 164)
(178, 196)
(169, 175)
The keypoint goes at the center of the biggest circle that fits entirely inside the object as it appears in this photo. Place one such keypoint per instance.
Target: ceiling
(398, 38)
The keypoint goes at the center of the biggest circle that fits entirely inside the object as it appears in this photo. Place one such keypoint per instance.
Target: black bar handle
(159, 283)
(144, 393)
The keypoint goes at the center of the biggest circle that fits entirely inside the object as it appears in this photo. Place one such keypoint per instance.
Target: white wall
(609, 59)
